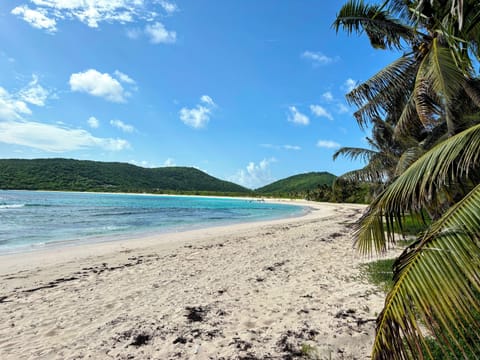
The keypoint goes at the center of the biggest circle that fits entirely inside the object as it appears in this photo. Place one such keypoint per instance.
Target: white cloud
(342, 109)
(134, 33)
(169, 7)
(279, 147)
(97, 84)
(320, 111)
(36, 18)
(11, 108)
(34, 93)
(158, 34)
(317, 58)
(14, 129)
(123, 77)
(349, 85)
(207, 100)
(327, 96)
(93, 122)
(142, 163)
(169, 162)
(292, 147)
(119, 124)
(329, 144)
(91, 12)
(54, 138)
(297, 117)
(199, 116)
(254, 175)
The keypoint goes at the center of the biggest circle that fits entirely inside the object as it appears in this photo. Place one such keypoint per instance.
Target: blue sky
(246, 90)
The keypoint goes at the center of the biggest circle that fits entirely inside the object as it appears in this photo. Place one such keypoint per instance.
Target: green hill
(79, 175)
(298, 184)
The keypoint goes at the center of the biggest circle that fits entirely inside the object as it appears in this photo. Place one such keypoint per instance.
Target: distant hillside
(77, 175)
(298, 183)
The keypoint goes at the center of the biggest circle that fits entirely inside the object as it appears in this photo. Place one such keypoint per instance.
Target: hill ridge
(88, 175)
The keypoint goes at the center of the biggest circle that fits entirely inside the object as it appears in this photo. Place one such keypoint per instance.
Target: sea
(31, 220)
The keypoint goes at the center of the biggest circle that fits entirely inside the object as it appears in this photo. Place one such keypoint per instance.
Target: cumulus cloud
(317, 58)
(199, 116)
(320, 111)
(168, 6)
(34, 93)
(159, 34)
(254, 175)
(93, 122)
(97, 84)
(119, 124)
(349, 85)
(54, 138)
(327, 96)
(207, 100)
(36, 18)
(328, 144)
(92, 12)
(297, 117)
(169, 162)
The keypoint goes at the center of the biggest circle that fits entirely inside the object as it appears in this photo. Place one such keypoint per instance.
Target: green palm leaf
(354, 153)
(436, 284)
(420, 186)
(408, 121)
(439, 69)
(382, 30)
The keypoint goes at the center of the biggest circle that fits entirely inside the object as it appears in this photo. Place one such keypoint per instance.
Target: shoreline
(74, 250)
(256, 290)
(154, 232)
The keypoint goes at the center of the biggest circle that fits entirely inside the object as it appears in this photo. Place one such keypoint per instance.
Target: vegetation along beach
(240, 179)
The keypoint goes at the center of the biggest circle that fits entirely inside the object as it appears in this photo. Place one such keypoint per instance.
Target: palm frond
(418, 187)
(354, 153)
(408, 158)
(408, 121)
(397, 76)
(382, 30)
(472, 88)
(436, 283)
(444, 75)
(427, 103)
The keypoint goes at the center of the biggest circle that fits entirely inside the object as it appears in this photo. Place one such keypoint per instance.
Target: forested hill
(79, 175)
(298, 183)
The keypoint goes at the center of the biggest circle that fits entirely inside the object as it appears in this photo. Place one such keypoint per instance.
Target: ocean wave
(11, 206)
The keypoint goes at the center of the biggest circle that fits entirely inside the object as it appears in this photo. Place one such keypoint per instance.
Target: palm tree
(431, 93)
(420, 87)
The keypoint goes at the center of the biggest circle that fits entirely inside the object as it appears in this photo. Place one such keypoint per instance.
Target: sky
(249, 91)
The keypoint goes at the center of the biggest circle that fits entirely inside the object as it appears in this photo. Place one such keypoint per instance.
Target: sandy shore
(269, 290)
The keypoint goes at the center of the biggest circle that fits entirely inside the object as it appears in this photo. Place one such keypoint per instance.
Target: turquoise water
(33, 219)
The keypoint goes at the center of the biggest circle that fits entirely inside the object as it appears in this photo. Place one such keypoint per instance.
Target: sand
(269, 290)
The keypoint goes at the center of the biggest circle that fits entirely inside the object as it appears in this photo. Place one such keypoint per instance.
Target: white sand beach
(266, 290)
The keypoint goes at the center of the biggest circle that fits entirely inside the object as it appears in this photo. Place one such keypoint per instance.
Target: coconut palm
(421, 86)
(430, 92)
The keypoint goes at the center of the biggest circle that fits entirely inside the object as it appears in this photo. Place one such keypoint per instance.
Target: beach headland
(265, 290)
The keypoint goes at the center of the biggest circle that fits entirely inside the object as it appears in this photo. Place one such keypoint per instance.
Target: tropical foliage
(298, 183)
(429, 163)
(77, 175)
